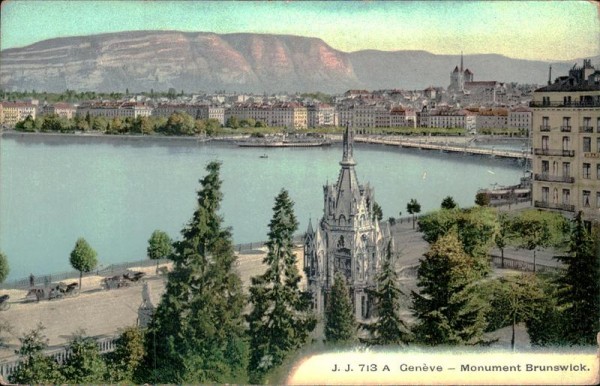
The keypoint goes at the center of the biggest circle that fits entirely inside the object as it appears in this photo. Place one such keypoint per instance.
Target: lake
(115, 192)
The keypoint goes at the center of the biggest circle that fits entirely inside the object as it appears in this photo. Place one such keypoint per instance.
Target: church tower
(347, 240)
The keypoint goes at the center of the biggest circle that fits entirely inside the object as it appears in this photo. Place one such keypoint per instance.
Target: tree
(85, 363)
(579, 286)
(377, 212)
(4, 268)
(160, 246)
(180, 123)
(538, 229)
(279, 321)
(35, 367)
(504, 234)
(482, 199)
(389, 328)
(340, 322)
(413, 207)
(28, 124)
(197, 332)
(122, 363)
(448, 203)
(513, 300)
(83, 258)
(447, 310)
(232, 122)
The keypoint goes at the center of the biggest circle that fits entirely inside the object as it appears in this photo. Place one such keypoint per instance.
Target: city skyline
(551, 31)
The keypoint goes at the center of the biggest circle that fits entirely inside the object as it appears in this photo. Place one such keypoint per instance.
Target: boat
(264, 156)
(295, 141)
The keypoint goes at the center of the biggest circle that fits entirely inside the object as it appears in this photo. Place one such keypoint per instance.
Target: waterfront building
(520, 118)
(114, 109)
(321, 115)
(402, 117)
(166, 110)
(449, 118)
(64, 110)
(212, 112)
(566, 143)
(14, 112)
(347, 240)
(290, 115)
(491, 119)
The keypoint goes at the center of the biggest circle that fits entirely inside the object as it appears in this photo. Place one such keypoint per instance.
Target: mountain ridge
(243, 62)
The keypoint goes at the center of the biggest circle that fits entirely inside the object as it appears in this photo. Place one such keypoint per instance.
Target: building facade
(346, 240)
(14, 112)
(566, 143)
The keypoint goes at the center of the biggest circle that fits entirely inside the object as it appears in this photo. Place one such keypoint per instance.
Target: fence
(115, 268)
(521, 265)
(60, 355)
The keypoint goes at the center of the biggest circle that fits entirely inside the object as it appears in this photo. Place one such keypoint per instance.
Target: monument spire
(347, 156)
(461, 61)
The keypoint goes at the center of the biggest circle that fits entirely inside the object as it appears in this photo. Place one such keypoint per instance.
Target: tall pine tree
(389, 328)
(340, 322)
(447, 309)
(197, 332)
(579, 287)
(280, 320)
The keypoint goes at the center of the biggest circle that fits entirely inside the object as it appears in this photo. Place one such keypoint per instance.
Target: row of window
(566, 122)
(566, 169)
(586, 197)
(566, 143)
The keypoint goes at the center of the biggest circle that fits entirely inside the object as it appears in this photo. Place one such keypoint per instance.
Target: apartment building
(519, 118)
(212, 112)
(321, 115)
(566, 143)
(64, 110)
(166, 110)
(491, 119)
(114, 109)
(14, 112)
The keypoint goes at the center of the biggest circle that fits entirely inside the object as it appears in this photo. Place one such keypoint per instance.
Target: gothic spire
(461, 61)
(347, 156)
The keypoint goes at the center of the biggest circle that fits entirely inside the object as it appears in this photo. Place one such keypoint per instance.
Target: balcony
(565, 129)
(588, 103)
(586, 129)
(548, 205)
(549, 178)
(544, 128)
(554, 152)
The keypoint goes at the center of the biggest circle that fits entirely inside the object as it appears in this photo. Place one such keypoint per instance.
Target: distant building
(14, 112)
(321, 115)
(520, 118)
(346, 240)
(458, 78)
(64, 110)
(566, 143)
(212, 112)
(491, 119)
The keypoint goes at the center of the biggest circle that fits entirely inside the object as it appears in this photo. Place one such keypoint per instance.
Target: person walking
(31, 280)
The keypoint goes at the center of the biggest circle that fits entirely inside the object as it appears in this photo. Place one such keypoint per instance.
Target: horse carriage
(53, 291)
(4, 304)
(122, 280)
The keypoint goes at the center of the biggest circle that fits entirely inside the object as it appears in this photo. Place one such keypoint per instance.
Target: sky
(537, 30)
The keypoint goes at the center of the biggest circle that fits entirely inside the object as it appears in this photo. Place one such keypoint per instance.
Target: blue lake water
(114, 193)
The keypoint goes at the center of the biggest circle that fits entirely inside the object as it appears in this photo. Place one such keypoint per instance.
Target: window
(597, 199)
(566, 169)
(587, 122)
(586, 170)
(598, 171)
(545, 167)
(566, 143)
(587, 144)
(566, 196)
(545, 124)
(586, 198)
(545, 192)
(545, 139)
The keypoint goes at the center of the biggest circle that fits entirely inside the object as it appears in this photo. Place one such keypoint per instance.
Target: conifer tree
(340, 323)
(280, 321)
(389, 328)
(196, 335)
(579, 293)
(447, 309)
(85, 364)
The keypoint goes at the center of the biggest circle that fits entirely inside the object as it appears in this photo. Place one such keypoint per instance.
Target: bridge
(450, 148)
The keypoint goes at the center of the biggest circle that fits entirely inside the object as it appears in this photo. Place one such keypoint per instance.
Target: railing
(60, 355)
(586, 129)
(522, 265)
(544, 128)
(547, 177)
(554, 152)
(549, 205)
(24, 283)
(591, 103)
(565, 129)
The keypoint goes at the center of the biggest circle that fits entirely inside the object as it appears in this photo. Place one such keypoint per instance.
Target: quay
(450, 148)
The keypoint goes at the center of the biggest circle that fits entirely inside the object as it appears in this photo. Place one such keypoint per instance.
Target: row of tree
(177, 124)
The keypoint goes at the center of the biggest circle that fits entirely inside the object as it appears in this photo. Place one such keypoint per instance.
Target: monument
(348, 239)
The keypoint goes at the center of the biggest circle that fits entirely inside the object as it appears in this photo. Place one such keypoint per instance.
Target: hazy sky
(548, 30)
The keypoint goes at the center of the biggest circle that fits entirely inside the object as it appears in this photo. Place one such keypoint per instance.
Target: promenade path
(102, 313)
